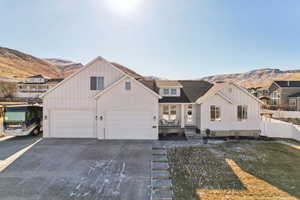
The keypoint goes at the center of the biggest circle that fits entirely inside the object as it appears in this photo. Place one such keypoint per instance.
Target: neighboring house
(261, 93)
(108, 101)
(35, 86)
(265, 99)
(294, 101)
(285, 93)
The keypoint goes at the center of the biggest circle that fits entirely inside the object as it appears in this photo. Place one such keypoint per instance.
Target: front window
(172, 112)
(169, 112)
(173, 91)
(97, 83)
(275, 96)
(128, 85)
(215, 113)
(292, 102)
(242, 112)
(166, 91)
(166, 112)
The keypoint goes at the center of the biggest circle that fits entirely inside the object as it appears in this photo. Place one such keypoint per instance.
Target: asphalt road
(67, 169)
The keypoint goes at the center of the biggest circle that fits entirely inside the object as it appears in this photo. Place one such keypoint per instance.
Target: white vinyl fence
(1, 126)
(276, 128)
(284, 114)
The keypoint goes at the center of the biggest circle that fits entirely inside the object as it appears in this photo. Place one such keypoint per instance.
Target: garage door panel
(128, 124)
(71, 124)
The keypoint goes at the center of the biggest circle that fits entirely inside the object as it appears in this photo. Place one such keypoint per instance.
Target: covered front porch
(175, 117)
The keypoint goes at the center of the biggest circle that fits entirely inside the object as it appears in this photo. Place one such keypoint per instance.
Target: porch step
(161, 195)
(160, 174)
(159, 158)
(159, 152)
(161, 184)
(195, 137)
(158, 147)
(160, 165)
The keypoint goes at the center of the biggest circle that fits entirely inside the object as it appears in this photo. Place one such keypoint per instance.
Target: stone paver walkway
(161, 184)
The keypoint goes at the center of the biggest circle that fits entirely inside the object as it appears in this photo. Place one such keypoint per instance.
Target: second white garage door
(128, 124)
(71, 124)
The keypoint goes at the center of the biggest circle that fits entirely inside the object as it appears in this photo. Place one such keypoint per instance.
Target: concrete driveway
(68, 169)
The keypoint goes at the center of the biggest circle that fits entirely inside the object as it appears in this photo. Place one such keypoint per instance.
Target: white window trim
(164, 91)
(275, 97)
(294, 100)
(128, 83)
(98, 78)
(169, 112)
(243, 117)
(220, 115)
(173, 89)
(169, 93)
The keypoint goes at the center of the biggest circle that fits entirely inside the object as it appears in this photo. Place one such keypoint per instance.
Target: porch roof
(190, 92)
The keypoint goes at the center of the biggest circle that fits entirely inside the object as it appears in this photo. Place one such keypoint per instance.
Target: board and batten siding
(75, 93)
(229, 119)
(135, 100)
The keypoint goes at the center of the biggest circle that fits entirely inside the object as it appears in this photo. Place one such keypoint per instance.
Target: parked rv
(21, 120)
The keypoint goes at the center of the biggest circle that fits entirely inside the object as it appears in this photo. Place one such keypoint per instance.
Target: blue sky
(175, 39)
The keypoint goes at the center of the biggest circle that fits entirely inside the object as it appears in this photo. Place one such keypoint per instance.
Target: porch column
(182, 116)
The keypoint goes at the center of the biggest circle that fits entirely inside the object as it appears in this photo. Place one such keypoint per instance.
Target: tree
(7, 89)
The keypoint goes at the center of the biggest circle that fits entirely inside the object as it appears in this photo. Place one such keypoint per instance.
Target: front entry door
(189, 114)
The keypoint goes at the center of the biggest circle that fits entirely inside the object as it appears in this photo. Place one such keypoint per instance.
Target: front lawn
(205, 167)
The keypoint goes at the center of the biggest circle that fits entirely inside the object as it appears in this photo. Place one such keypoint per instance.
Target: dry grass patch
(206, 168)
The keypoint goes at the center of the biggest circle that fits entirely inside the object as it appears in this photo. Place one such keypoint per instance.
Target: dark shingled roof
(147, 82)
(288, 83)
(190, 92)
(295, 95)
(128, 71)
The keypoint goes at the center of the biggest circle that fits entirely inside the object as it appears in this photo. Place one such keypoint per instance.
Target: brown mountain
(256, 78)
(67, 67)
(17, 65)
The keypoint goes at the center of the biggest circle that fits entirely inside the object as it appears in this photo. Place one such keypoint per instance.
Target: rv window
(15, 114)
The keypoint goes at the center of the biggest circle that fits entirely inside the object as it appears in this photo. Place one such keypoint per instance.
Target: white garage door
(71, 124)
(128, 124)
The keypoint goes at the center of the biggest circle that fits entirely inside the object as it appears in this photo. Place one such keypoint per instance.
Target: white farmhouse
(108, 101)
(102, 100)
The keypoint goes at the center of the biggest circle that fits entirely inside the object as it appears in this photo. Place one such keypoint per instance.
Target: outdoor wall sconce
(45, 117)
(101, 118)
(154, 118)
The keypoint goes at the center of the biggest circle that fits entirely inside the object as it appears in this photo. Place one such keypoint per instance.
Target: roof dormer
(168, 88)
